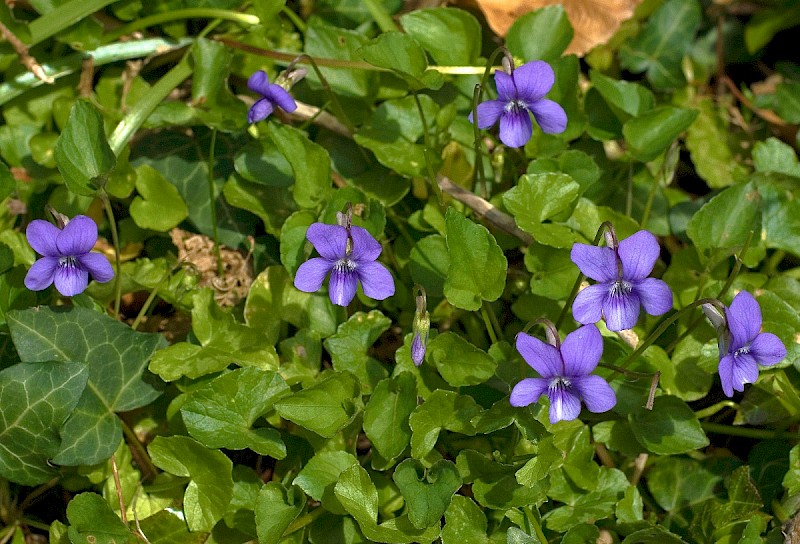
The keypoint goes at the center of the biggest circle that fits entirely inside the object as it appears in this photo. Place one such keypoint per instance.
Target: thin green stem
(428, 148)
(139, 452)
(304, 520)
(35, 524)
(335, 104)
(494, 320)
(295, 19)
(115, 242)
(212, 199)
(151, 297)
(771, 266)
(576, 287)
(537, 527)
(477, 174)
(488, 323)
(381, 16)
(648, 206)
(178, 14)
(663, 327)
(714, 408)
(746, 432)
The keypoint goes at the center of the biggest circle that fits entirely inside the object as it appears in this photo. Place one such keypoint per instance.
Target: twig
(307, 112)
(122, 513)
(484, 209)
(25, 58)
(638, 468)
(87, 77)
(767, 115)
(651, 397)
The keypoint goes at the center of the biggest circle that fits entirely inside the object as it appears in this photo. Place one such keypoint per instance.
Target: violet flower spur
(273, 95)
(623, 283)
(565, 372)
(66, 258)
(743, 347)
(519, 93)
(349, 254)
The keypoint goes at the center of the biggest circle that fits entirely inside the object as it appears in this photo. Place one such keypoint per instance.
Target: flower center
(742, 350)
(344, 265)
(559, 383)
(620, 288)
(70, 262)
(515, 106)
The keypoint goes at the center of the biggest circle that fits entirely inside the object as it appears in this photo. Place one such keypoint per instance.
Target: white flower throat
(620, 288)
(70, 262)
(515, 106)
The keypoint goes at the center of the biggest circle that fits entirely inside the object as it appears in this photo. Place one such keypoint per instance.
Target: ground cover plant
(386, 271)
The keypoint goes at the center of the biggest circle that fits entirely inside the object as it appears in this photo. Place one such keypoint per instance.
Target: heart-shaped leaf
(427, 492)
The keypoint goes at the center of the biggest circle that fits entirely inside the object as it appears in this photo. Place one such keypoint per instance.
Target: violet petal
(549, 115)
(638, 253)
(488, 113)
(597, 263)
(278, 95)
(417, 350)
(342, 287)
(42, 237)
(581, 351)
(78, 237)
(259, 111)
(376, 280)
(596, 393)
(41, 273)
(527, 391)
(588, 305)
(767, 349)
(744, 319)
(97, 265)
(310, 275)
(735, 371)
(515, 128)
(365, 247)
(654, 294)
(71, 280)
(259, 82)
(506, 90)
(533, 80)
(330, 241)
(543, 358)
(621, 311)
(564, 404)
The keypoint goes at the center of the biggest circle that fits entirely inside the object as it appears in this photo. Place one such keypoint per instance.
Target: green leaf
(653, 132)
(310, 164)
(743, 499)
(223, 342)
(323, 41)
(493, 483)
(772, 155)
(553, 33)
(726, 220)
(7, 183)
(319, 476)
(781, 214)
(401, 54)
(518, 536)
(260, 161)
(477, 270)
(83, 155)
(627, 98)
(538, 197)
(458, 361)
(767, 22)
(116, 357)
(787, 101)
(211, 486)
(387, 413)
(653, 535)
(464, 522)
(327, 406)
(676, 483)
(293, 239)
(597, 504)
(429, 264)
(552, 271)
(359, 496)
(158, 206)
(452, 36)
(37, 398)
(276, 508)
(349, 347)
(661, 45)
(707, 141)
(441, 410)
(669, 428)
(221, 413)
(427, 492)
(91, 521)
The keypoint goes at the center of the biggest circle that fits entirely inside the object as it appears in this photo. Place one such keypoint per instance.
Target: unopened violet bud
(420, 327)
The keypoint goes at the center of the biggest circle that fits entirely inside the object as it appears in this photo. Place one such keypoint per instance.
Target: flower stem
(212, 203)
(335, 104)
(488, 322)
(605, 226)
(115, 241)
(714, 408)
(477, 174)
(151, 297)
(381, 16)
(178, 14)
(296, 21)
(746, 432)
(304, 520)
(428, 148)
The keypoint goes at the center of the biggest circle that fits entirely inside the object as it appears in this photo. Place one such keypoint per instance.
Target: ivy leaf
(82, 152)
(327, 406)
(477, 270)
(36, 398)
(210, 489)
(116, 357)
(348, 347)
(427, 492)
(221, 413)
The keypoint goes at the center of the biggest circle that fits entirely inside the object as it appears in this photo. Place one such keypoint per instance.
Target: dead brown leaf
(594, 21)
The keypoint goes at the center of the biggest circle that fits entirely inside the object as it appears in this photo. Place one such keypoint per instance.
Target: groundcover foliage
(344, 272)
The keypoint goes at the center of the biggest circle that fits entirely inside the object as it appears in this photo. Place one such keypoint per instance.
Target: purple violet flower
(518, 93)
(743, 347)
(623, 283)
(418, 348)
(66, 258)
(349, 254)
(273, 95)
(565, 372)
